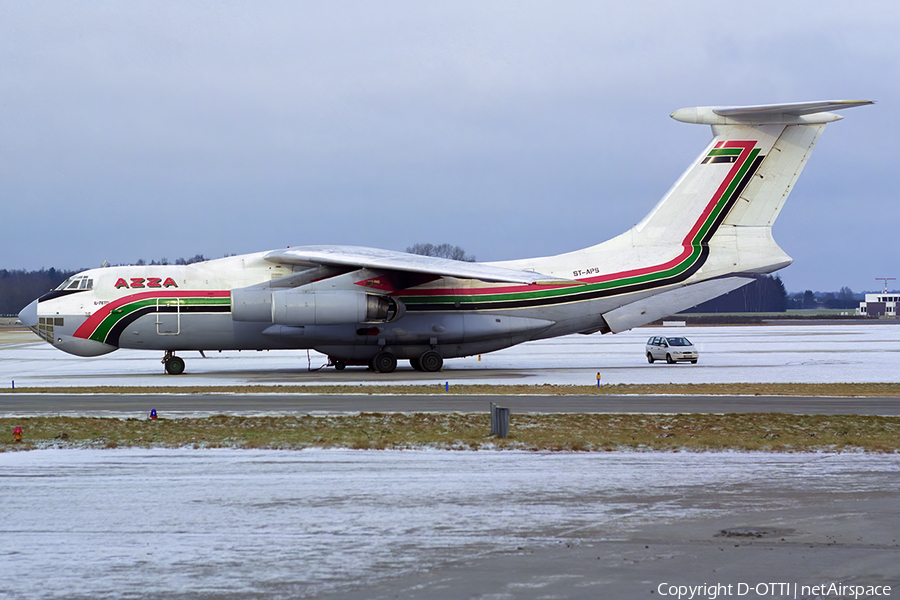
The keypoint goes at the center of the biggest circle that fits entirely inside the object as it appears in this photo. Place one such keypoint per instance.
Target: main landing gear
(174, 364)
(429, 361)
(383, 362)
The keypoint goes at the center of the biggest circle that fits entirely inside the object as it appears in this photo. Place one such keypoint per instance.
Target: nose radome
(29, 316)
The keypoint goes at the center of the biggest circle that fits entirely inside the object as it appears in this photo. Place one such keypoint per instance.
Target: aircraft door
(168, 316)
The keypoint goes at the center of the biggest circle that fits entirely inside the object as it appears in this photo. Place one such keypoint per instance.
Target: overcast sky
(146, 130)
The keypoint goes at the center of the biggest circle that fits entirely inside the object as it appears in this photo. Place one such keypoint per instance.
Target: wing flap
(374, 258)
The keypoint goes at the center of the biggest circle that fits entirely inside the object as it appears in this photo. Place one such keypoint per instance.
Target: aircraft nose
(29, 316)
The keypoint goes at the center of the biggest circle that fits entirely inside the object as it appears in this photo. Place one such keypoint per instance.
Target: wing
(374, 258)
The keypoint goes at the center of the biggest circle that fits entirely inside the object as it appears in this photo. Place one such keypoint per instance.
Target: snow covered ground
(140, 524)
(776, 353)
(223, 524)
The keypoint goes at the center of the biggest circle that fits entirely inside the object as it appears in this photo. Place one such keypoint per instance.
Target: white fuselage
(710, 234)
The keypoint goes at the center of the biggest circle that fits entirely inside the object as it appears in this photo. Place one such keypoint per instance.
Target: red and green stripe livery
(107, 323)
(744, 157)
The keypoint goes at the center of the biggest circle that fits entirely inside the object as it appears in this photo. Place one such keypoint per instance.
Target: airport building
(883, 304)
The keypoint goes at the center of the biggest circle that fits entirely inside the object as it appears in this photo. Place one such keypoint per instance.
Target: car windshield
(678, 341)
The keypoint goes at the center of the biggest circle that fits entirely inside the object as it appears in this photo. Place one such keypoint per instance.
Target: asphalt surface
(225, 524)
(41, 404)
(743, 552)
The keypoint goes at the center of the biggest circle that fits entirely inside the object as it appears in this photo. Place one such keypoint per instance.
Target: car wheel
(694, 362)
(649, 358)
(669, 359)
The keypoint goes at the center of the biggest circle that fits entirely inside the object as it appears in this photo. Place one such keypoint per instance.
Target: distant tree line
(18, 288)
(845, 298)
(765, 294)
(441, 251)
(179, 261)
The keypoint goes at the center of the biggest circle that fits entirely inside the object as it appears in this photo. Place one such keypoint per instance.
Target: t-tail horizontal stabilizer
(799, 113)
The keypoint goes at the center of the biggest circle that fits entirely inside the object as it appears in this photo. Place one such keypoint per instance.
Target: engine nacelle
(296, 308)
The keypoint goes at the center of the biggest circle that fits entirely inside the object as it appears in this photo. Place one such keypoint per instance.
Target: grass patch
(544, 432)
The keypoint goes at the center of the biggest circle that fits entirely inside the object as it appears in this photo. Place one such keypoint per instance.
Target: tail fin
(741, 180)
(712, 232)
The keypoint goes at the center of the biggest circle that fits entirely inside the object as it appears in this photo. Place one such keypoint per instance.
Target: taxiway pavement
(130, 405)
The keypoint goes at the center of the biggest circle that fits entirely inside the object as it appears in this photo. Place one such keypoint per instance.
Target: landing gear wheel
(175, 365)
(669, 359)
(431, 361)
(649, 358)
(384, 362)
(339, 365)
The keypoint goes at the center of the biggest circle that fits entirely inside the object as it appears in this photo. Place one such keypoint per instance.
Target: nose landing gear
(174, 364)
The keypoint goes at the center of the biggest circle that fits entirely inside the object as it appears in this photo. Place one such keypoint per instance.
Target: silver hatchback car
(671, 349)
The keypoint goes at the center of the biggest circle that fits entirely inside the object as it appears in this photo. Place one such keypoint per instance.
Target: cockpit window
(79, 282)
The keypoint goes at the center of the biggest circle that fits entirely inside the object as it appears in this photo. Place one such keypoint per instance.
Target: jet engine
(297, 308)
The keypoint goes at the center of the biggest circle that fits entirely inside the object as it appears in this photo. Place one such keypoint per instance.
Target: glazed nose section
(29, 316)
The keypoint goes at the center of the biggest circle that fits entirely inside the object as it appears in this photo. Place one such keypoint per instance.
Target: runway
(137, 405)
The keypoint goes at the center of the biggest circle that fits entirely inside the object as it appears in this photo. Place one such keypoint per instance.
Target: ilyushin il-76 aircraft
(710, 234)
